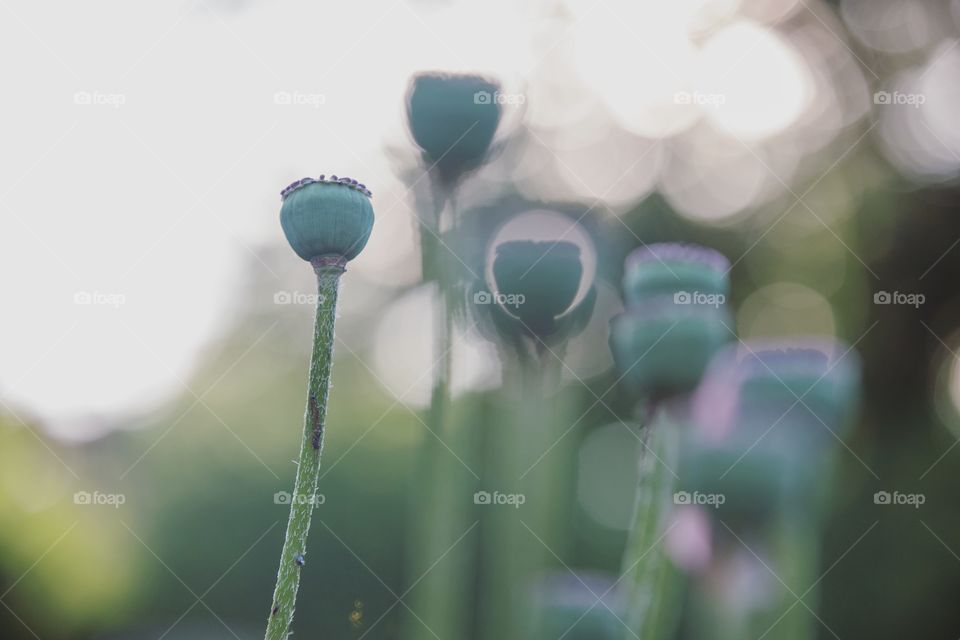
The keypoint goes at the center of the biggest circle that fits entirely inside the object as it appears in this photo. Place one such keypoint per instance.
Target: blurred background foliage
(192, 551)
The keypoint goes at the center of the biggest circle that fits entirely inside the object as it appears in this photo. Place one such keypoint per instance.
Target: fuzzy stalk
(328, 270)
(651, 580)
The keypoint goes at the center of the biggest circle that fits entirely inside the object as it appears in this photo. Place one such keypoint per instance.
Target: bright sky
(145, 145)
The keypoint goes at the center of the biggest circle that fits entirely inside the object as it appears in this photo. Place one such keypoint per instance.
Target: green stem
(506, 544)
(292, 558)
(441, 501)
(650, 577)
(528, 457)
(796, 557)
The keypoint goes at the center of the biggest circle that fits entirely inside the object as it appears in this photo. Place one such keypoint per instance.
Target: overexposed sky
(144, 147)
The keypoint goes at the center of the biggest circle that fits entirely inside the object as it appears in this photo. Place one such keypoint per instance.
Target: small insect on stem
(300, 560)
(315, 421)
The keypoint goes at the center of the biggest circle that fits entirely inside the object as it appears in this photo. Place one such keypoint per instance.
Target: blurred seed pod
(801, 385)
(536, 284)
(662, 348)
(803, 392)
(323, 217)
(685, 270)
(453, 119)
(741, 481)
(763, 421)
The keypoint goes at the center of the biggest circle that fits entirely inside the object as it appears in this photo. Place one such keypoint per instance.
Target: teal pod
(669, 268)
(453, 119)
(327, 217)
(499, 324)
(801, 387)
(742, 480)
(537, 282)
(662, 348)
(768, 418)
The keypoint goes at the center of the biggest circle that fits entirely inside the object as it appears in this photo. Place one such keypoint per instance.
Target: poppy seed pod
(763, 420)
(326, 216)
(754, 480)
(662, 348)
(540, 278)
(801, 384)
(670, 268)
(453, 119)
(797, 387)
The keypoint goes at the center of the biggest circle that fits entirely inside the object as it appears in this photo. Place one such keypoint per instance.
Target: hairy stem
(292, 558)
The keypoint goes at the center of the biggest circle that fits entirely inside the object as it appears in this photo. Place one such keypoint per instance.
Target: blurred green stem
(527, 457)
(508, 549)
(651, 580)
(441, 501)
(311, 447)
(796, 557)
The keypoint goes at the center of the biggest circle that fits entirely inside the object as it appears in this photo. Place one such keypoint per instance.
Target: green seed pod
(686, 270)
(323, 217)
(453, 119)
(537, 281)
(763, 424)
(739, 483)
(662, 348)
(795, 391)
(801, 384)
